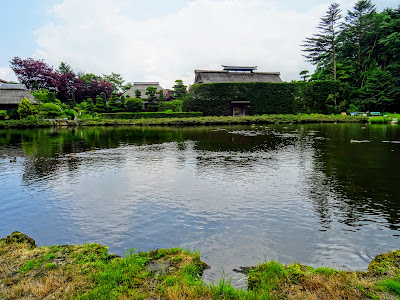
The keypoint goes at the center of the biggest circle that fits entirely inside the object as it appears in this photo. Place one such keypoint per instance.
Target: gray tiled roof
(14, 93)
(142, 86)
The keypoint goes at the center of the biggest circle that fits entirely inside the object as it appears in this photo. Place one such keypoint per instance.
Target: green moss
(31, 264)
(90, 272)
(326, 271)
(391, 285)
(50, 266)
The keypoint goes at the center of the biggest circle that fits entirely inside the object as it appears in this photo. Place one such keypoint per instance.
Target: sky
(162, 40)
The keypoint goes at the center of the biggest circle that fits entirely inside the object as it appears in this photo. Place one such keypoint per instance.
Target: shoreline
(191, 121)
(90, 272)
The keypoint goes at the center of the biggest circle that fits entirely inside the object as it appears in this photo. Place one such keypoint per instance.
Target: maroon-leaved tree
(95, 87)
(35, 74)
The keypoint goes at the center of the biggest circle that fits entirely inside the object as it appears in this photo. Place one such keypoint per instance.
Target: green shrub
(4, 115)
(149, 115)
(134, 105)
(175, 105)
(101, 105)
(112, 105)
(70, 113)
(379, 120)
(26, 109)
(44, 96)
(50, 110)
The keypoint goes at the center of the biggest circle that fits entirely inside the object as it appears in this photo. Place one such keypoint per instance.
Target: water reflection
(238, 194)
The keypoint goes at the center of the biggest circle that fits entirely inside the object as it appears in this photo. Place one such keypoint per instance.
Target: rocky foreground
(90, 272)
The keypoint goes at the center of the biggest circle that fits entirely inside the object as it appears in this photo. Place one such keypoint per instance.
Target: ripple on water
(298, 193)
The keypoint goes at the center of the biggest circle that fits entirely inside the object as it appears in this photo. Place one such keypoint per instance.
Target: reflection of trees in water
(354, 182)
(347, 182)
(37, 168)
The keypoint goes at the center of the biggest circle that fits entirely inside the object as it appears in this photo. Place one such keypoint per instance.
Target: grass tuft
(90, 272)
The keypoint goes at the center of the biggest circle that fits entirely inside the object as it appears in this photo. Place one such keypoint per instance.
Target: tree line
(361, 50)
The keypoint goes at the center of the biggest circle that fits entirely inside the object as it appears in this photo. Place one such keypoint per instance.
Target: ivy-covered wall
(214, 99)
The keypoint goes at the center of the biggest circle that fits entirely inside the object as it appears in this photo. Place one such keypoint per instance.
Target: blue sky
(157, 40)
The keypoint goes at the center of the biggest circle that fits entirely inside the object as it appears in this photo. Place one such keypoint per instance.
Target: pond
(318, 194)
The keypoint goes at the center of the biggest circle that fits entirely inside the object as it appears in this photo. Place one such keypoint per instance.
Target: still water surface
(321, 194)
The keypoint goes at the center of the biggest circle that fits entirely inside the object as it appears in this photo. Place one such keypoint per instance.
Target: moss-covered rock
(19, 238)
(385, 264)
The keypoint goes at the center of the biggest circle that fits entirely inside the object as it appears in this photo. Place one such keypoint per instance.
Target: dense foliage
(267, 98)
(26, 109)
(4, 115)
(50, 110)
(362, 52)
(134, 104)
(150, 115)
(37, 75)
(174, 105)
(180, 90)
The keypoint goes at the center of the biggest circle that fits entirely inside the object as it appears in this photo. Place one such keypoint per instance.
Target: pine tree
(112, 105)
(179, 89)
(321, 48)
(89, 105)
(101, 105)
(359, 39)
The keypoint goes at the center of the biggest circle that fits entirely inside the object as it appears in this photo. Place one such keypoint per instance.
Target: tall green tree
(126, 87)
(321, 49)
(304, 74)
(116, 81)
(359, 39)
(112, 105)
(180, 90)
(151, 92)
(64, 68)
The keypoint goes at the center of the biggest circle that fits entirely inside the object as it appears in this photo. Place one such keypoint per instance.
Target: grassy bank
(24, 123)
(194, 121)
(90, 272)
(264, 119)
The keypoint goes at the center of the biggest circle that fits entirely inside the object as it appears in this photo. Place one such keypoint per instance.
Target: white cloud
(99, 36)
(7, 74)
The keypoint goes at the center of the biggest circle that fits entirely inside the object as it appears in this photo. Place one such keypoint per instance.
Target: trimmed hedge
(148, 115)
(174, 105)
(214, 99)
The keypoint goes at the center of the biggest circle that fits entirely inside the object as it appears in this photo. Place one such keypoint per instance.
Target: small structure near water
(142, 87)
(231, 74)
(12, 94)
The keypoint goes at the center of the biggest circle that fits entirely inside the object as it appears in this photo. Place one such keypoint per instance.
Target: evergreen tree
(304, 75)
(180, 89)
(151, 93)
(112, 105)
(321, 48)
(101, 105)
(103, 97)
(121, 103)
(138, 94)
(359, 39)
(89, 106)
(64, 68)
(161, 95)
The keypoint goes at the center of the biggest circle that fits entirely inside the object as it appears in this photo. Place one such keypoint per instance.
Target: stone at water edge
(19, 238)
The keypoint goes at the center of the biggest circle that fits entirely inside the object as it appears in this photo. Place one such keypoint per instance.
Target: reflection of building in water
(231, 74)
